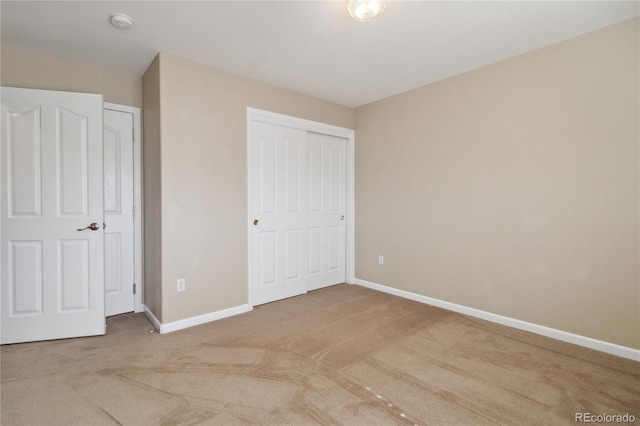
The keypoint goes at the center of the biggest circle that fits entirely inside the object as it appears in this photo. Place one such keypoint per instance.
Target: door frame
(258, 115)
(137, 198)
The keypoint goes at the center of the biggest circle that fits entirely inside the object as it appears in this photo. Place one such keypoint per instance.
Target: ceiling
(312, 47)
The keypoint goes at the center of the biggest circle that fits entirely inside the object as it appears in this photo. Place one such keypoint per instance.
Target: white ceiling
(312, 47)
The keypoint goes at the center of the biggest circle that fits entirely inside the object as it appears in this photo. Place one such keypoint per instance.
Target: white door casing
(118, 212)
(51, 168)
(324, 248)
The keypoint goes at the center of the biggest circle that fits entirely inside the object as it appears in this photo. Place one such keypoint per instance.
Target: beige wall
(513, 188)
(22, 68)
(203, 180)
(152, 190)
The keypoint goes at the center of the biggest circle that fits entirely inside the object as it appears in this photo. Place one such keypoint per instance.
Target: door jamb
(137, 198)
(262, 116)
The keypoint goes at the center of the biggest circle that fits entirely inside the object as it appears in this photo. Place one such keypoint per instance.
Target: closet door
(298, 193)
(279, 161)
(327, 200)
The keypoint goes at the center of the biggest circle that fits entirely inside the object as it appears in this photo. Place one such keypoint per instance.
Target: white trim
(249, 207)
(193, 321)
(254, 114)
(137, 198)
(262, 116)
(350, 246)
(157, 324)
(576, 339)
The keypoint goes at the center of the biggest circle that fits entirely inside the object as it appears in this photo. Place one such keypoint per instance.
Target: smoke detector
(121, 21)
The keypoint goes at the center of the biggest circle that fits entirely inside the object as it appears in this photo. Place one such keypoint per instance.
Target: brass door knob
(255, 222)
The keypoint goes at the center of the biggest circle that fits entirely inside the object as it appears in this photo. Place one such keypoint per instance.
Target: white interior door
(298, 207)
(327, 199)
(52, 273)
(118, 212)
(280, 264)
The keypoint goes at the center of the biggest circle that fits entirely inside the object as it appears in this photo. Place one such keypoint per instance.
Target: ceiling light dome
(365, 10)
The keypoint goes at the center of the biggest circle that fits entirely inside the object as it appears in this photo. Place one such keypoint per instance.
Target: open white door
(52, 240)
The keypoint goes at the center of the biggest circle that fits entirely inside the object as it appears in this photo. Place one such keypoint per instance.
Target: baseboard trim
(151, 317)
(197, 320)
(576, 339)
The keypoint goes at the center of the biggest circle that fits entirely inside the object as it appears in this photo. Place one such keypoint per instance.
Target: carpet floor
(341, 355)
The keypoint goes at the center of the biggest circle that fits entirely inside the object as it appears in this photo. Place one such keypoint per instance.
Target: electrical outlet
(182, 284)
(380, 260)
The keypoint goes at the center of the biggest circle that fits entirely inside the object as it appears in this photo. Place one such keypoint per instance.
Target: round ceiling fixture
(121, 21)
(365, 10)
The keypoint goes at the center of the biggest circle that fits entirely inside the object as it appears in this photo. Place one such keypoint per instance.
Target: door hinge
(134, 288)
(133, 134)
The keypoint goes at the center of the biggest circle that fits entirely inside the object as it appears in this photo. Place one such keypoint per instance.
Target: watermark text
(604, 418)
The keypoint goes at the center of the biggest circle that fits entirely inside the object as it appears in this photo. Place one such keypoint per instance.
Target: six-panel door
(52, 273)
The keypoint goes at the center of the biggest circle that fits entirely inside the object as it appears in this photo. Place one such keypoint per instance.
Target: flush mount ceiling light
(121, 21)
(365, 10)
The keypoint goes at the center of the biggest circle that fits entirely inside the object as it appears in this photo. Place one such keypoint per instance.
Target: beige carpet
(341, 355)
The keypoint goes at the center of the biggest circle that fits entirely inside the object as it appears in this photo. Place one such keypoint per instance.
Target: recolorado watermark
(604, 418)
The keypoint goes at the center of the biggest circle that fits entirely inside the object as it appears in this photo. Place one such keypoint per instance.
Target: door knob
(94, 227)
(255, 222)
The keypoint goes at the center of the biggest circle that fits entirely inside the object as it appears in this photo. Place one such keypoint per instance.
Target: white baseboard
(151, 317)
(197, 320)
(576, 339)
